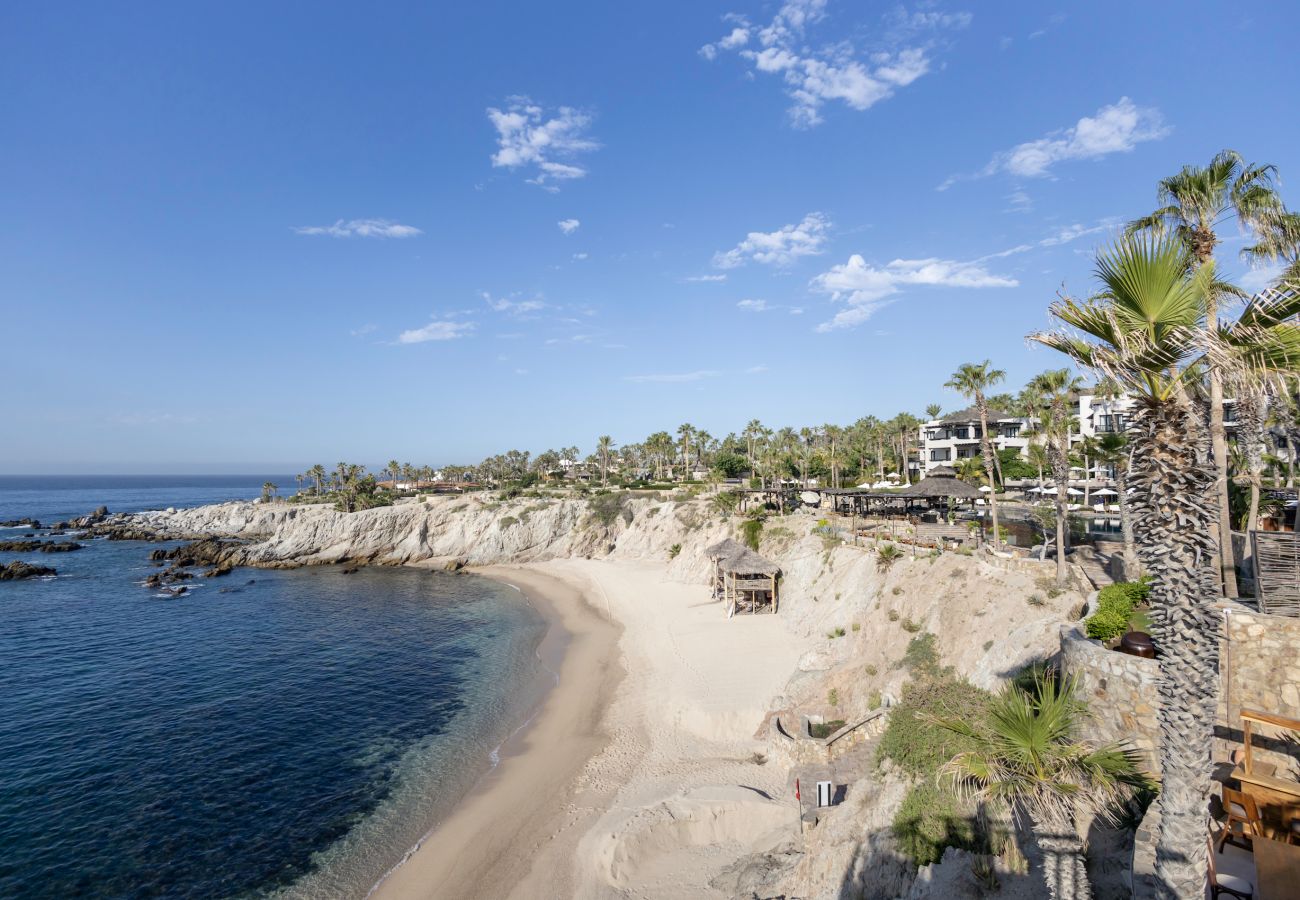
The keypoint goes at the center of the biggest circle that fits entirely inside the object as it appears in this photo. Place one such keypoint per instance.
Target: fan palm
(604, 447)
(1026, 757)
(1055, 424)
(1144, 329)
(1196, 202)
(973, 380)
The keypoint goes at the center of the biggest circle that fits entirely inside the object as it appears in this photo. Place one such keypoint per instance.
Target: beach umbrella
(985, 488)
(1075, 492)
(1105, 492)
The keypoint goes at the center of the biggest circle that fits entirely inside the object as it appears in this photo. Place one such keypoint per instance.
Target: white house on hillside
(959, 436)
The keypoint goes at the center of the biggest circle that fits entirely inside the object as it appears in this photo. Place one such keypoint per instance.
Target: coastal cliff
(847, 618)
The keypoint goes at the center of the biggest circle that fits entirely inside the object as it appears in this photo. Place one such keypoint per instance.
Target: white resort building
(959, 435)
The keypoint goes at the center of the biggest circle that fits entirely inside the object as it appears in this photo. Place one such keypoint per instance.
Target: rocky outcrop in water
(18, 569)
(39, 546)
(20, 523)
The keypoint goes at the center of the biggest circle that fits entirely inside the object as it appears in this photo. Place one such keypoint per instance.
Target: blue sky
(251, 236)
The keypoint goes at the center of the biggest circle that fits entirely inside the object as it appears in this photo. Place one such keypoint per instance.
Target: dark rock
(38, 546)
(218, 571)
(352, 570)
(19, 523)
(19, 569)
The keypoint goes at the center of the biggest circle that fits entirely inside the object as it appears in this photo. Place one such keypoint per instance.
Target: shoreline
(490, 841)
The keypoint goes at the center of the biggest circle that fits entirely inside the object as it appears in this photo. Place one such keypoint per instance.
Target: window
(1010, 431)
(962, 433)
(940, 455)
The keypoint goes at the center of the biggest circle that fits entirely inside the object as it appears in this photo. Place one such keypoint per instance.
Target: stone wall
(1259, 660)
(1120, 691)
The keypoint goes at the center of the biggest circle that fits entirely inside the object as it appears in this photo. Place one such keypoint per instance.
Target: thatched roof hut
(942, 482)
(725, 548)
(742, 578)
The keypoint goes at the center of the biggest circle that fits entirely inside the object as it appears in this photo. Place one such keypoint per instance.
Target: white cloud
(364, 330)
(568, 226)
(580, 256)
(376, 228)
(511, 305)
(835, 71)
(780, 247)
(705, 278)
(528, 138)
(1074, 232)
(866, 289)
(437, 330)
(756, 370)
(1117, 128)
(1255, 280)
(672, 378)
(752, 305)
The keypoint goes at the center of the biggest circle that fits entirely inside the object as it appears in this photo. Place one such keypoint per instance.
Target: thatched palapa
(741, 578)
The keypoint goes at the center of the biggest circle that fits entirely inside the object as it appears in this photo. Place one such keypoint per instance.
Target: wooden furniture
(1277, 871)
(1240, 888)
(1278, 798)
(1242, 810)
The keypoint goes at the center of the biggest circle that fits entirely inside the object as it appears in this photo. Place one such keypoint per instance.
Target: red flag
(796, 790)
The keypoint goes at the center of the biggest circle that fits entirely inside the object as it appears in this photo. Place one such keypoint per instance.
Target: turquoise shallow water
(272, 732)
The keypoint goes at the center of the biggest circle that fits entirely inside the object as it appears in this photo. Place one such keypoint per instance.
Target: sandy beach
(637, 776)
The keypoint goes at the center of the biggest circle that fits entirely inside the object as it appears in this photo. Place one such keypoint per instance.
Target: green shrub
(752, 532)
(857, 626)
(893, 615)
(929, 821)
(920, 657)
(1115, 606)
(833, 698)
(606, 508)
(912, 740)
(674, 550)
(835, 633)
(870, 670)
(911, 627)
(507, 521)
(726, 502)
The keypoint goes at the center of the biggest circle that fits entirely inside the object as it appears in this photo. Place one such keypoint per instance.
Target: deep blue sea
(272, 732)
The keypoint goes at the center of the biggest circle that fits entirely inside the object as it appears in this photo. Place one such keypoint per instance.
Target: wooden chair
(1242, 810)
(1240, 888)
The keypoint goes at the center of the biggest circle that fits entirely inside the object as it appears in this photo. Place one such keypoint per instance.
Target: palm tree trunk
(1174, 505)
(1126, 523)
(1219, 445)
(990, 461)
(1064, 867)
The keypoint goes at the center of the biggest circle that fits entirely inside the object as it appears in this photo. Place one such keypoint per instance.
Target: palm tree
(1115, 450)
(685, 431)
(1054, 426)
(1038, 457)
(1144, 329)
(1196, 202)
(317, 474)
(394, 469)
(933, 411)
(604, 447)
(1026, 757)
(972, 380)
(1087, 447)
(268, 491)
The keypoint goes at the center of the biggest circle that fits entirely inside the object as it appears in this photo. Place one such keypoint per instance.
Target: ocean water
(271, 733)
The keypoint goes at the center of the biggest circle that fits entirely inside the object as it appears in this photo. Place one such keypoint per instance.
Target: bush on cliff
(931, 820)
(1115, 606)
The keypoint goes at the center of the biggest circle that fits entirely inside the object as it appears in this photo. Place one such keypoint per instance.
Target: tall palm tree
(685, 431)
(933, 411)
(1145, 329)
(604, 447)
(394, 470)
(1055, 424)
(317, 474)
(1196, 202)
(972, 381)
(1087, 447)
(1115, 451)
(1026, 757)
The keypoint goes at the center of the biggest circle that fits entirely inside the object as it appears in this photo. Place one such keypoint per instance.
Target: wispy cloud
(372, 228)
(437, 330)
(705, 278)
(1117, 128)
(866, 289)
(780, 247)
(1255, 280)
(752, 305)
(579, 256)
(568, 226)
(546, 144)
(815, 75)
(364, 330)
(512, 304)
(672, 377)
(1073, 232)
